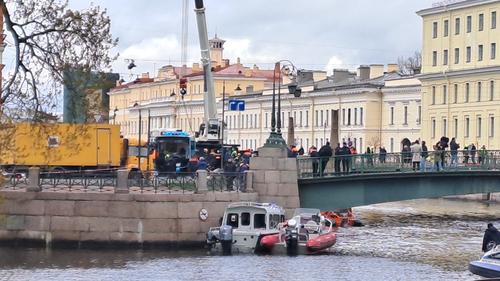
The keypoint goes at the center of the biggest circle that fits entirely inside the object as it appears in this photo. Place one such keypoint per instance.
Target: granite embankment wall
(100, 219)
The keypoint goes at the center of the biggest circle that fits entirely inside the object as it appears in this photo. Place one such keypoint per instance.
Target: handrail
(403, 162)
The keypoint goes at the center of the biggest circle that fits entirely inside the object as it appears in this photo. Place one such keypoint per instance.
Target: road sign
(236, 105)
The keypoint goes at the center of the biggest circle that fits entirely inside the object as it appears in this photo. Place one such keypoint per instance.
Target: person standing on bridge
(313, 153)
(423, 156)
(454, 146)
(325, 152)
(416, 151)
(345, 158)
(338, 157)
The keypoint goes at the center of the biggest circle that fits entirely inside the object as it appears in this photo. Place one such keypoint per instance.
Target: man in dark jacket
(338, 157)
(346, 158)
(325, 153)
(491, 238)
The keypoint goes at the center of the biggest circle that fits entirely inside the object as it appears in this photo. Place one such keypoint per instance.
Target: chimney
(196, 67)
(376, 70)
(392, 67)
(340, 75)
(255, 67)
(145, 75)
(225, 62)
(364, 72)
(238, 61)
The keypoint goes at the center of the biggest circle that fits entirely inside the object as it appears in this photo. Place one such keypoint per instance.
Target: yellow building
(158, 99)
(461, 73)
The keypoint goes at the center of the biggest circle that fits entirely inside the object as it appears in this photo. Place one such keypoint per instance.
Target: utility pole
(222, 150)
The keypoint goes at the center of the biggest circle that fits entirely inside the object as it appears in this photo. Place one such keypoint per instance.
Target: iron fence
(92, 180)
(433, 161)
(161, 182)
(225, 181)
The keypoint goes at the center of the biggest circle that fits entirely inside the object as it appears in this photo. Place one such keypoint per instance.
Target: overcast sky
(314, 34)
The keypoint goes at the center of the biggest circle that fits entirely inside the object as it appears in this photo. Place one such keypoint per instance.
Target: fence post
(249, 181)
(201, 181)
(33, 179)
(122, 181)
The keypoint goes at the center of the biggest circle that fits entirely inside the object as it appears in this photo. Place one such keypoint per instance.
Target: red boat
(306, 233)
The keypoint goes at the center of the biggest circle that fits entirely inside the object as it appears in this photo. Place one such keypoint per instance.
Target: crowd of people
(414, 155)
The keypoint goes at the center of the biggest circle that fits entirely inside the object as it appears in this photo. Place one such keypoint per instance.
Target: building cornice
(459, 73)
(447, 5)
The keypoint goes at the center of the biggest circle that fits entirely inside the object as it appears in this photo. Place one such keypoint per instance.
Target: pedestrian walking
(482, 155)
(438, 165)
(416, 151)
(473, 153)
(382, 155)
(313, 153)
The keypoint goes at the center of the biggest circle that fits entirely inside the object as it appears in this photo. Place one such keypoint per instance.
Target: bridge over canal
(371, 179)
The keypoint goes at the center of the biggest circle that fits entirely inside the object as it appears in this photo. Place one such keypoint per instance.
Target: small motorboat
(243, 226)
(489, 265)
(307, 232)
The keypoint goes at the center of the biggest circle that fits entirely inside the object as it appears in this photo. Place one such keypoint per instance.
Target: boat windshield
(306, 211)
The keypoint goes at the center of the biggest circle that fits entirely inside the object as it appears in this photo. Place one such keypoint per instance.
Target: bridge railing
(435, 161)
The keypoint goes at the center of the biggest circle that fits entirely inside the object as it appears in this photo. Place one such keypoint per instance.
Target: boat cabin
(253, 216)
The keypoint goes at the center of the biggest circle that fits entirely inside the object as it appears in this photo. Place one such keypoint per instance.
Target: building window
(433, 131)
(445, 57)
(445, 127)
(468, 55)
(406, 116)
(392, 116)
(467, 92)
(455, 129)
(457, 55)
(307, 118)
(327, 117)
(349, 117)
(479, 124)
(316, 119)
(445, 93)
(455, 93)
(481, 22)
(343, 116)
(479, 90)
(434, 30)
(419, 120)
(492, 90)
(467, 127)
(469, 24)
(493, 20)
(493, 51)
(480, 53)
(445, 28)
(433, 94)
(392, 145)
(300, 119)
(492, 126)
(457, 26)
(434, 58)
(361, 116)
(355, 116)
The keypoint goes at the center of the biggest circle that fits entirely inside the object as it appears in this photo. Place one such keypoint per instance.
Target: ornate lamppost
(288, 69)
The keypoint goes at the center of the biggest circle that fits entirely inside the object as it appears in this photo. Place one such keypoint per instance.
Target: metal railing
(225, 181)
(162, 182)
(435, 161)
(97, 180)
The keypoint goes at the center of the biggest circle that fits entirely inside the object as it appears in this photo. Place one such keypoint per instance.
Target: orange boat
(342, 218)
(306, 233)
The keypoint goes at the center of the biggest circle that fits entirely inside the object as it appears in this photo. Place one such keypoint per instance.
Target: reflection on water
(413, 240)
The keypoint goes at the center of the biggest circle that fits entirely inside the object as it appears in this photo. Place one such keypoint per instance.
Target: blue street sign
(236, 105)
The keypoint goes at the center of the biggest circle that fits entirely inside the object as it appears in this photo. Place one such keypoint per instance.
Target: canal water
(411, 240)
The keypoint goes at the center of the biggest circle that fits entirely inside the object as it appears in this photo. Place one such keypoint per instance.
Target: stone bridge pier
(275, 178)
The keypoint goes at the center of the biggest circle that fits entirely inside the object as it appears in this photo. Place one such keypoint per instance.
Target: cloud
(334, 62)
(153, 49)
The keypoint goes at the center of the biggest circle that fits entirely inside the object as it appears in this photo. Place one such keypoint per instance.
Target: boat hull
(321, 242)
(318, 245)
(485, 269)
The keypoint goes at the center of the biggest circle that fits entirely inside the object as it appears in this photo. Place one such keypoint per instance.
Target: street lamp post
(288, 69)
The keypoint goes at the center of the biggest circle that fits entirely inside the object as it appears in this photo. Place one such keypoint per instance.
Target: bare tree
(50, 39)
(410, 65)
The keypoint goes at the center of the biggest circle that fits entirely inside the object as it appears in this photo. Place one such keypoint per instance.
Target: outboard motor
(292, 238)
(226, 239)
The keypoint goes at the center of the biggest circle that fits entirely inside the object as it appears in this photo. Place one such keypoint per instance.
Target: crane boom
(211, 129)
